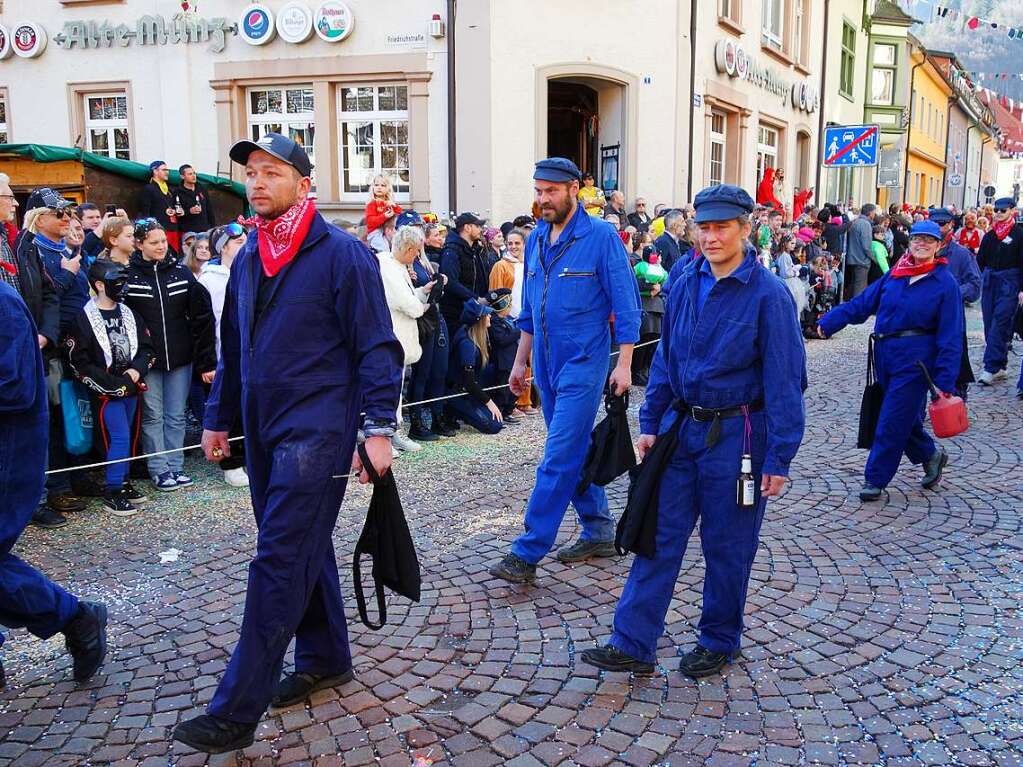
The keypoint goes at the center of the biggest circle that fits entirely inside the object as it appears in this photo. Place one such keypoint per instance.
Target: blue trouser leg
(421, 370)
(476, 415)
(900, 425)
(437, 381)
(569, 414)
(698, 484)
(163, 417)
(999, 298)
(321, 640)
(296, 506)
(117, 416)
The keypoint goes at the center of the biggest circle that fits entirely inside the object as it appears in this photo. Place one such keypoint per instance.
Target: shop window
(106, 125)
(285, 110)
(4, 133)
(767, 149)
(847, 75)
(374, 134)
(718, 141)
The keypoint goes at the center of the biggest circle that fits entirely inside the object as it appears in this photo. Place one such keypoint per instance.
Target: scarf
(46, 243)
(908, 267)
(163, 186)
(1002, 229)
(280, 238)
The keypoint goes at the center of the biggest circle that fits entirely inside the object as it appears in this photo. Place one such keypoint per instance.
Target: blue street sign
(851, 145)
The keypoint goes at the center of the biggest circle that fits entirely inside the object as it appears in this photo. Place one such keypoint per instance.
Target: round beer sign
(334, 21)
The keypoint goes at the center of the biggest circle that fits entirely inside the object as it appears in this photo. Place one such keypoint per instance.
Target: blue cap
(156, 164)
(723, 202)
(44, 197)
(557, 169)
(408, 218)
(473, 312)
(925, 229)
(940, 216)
(281, 147)
(1005, 202)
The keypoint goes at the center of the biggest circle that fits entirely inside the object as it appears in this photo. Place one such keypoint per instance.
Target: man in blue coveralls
(727, 383)
(306, 345)
(1000, 259)
(577, 275)
(28, 599)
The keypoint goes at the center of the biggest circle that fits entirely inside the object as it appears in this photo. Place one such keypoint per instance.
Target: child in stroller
(821, 297)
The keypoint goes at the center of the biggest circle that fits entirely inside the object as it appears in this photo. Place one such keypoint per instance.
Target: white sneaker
(236, 477)
(404, 444)
(985, 378)
(394, 452)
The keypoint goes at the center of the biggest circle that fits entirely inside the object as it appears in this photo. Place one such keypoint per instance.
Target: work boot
(63, 503)
(870, 493)
(86, 638)
(213, 735)
(514, 569)
(702, 662)
(934, 468)
(48, 519)
(419, 430)
(298, 686)
(582, 550)
(610, 658)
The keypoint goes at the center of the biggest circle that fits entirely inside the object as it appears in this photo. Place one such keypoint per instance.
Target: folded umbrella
(610, 453)
(387, 541)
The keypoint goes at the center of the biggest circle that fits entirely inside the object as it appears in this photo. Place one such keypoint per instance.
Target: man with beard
(306, 345)
(577, 274)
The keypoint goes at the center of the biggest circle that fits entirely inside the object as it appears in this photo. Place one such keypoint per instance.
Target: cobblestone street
(880, 634)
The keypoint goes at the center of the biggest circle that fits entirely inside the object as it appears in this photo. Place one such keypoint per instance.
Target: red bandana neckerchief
(280, 238)
(1002, 229)
(908, 267)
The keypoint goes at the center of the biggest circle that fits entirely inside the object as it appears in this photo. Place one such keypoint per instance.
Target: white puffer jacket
(406, 304)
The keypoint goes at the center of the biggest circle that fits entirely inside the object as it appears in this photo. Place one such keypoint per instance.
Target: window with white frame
(800, 33)
(4, 137)
(767, 149)
(718, 141)
(882, 78)
(730, 10)
(106, 125)
(847, 75)
(287, 110)
(774, 23)
(374, 135)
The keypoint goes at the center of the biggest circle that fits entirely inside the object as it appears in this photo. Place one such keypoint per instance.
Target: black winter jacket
(154, 204)
(177, 311)
(467, 273)
(37, 288)
(195, 222)
(88, 360)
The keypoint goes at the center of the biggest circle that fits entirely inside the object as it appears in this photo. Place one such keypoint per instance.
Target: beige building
(364, 84)
(758, 83)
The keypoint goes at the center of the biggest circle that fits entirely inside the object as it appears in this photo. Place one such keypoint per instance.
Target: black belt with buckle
(903, 334)
(715, 415)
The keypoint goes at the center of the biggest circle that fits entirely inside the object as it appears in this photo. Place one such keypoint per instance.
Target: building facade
(927, 135)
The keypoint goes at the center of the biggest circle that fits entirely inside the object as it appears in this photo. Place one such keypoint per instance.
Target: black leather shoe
(702, 662)
(870, 493)
(934, 468)
(63, 503)
(514, 569)
(48, 519)
(296, 687)
(611, 658)
(86, 638)
(582, 550)
(213, 735)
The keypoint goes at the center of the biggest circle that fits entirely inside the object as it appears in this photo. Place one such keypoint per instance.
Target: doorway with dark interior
(572, 123)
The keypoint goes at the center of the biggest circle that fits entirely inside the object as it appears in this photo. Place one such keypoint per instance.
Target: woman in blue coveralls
(470, 359)
(727, 383)
(919, 311)
(1000, 259)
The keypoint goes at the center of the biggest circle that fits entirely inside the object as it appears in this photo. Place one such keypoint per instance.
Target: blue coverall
(724, 344)
(321, 350)
(570, 290)
(933, 304)
(1001, 263)
(28, 599)
(475, 413)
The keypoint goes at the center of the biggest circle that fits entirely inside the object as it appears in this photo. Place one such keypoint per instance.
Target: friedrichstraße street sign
(850, 145)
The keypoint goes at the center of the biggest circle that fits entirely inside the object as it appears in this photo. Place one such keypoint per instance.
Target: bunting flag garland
(975, 22)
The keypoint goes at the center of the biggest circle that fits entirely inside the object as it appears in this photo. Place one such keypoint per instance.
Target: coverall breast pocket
(736, 342)
(578, 290)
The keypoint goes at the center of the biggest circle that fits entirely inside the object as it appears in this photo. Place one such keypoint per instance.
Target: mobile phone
(111, 210)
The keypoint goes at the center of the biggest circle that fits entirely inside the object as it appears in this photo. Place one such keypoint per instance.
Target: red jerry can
(947, 412)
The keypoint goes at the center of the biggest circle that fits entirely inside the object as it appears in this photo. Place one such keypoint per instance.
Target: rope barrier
(186, 448)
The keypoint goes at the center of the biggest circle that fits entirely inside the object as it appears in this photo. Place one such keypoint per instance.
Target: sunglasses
(234, 229)
(1001, 210)
(60, 213)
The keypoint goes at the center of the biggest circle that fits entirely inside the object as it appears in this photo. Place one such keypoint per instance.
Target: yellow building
(928, 129)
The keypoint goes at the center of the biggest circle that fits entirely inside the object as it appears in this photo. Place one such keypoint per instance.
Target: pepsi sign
(256, 24)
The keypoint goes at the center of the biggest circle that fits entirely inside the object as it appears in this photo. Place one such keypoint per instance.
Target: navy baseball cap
(468, 218)
(408, 218)
(44, 197)
(925, 229)
(722, 203)
(940, 216)
(1005, 202)
(281, 147)
(557, 169)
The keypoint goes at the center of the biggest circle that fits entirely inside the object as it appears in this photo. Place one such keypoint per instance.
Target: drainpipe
(692, 93)
(452, 124)
(820, 117)
(909, 128)
(980, 173)
(948, 136)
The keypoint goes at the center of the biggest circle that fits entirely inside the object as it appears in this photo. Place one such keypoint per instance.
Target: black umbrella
(387, 541)
(610, 453)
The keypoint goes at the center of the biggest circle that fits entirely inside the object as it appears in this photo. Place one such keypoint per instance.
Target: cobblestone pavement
(877, 634)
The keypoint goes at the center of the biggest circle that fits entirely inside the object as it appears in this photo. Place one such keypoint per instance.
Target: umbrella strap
(360, 598)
